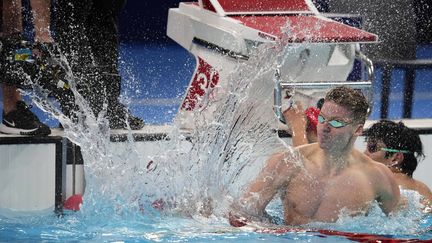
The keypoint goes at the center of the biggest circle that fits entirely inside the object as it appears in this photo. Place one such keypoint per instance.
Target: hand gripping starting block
(220, 33)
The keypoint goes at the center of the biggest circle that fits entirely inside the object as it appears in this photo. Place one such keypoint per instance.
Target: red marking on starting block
(233, 6)
(206, 77)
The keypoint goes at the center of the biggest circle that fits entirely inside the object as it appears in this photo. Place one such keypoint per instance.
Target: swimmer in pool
(321, 180)
(393, 144)
(399, 148)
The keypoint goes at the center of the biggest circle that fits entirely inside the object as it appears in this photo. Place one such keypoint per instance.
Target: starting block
(221, 33)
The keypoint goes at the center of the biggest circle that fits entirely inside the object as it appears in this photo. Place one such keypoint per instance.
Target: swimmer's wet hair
(398, 136)
(352, 99)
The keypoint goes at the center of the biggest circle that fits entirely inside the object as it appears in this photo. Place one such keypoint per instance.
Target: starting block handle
(279, 86)
(368, 63)
(323, 85)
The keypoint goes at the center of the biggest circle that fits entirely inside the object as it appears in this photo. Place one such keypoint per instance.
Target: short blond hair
(352, 99)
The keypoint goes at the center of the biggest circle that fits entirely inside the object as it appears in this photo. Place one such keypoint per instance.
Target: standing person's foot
(119, 117)
(22, 121)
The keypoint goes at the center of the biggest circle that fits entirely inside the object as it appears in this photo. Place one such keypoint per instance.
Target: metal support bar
(73, 155)
(223, 51)
(369, 65)
(410, 67)
(385, 92)
(277, 97)
(323, 85)
(60, 176)
(409, 92)
(279, 86)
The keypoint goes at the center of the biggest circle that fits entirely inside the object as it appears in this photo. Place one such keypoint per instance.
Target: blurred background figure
(87, 32)
(400, 149)
(17, 116)
(302, 124)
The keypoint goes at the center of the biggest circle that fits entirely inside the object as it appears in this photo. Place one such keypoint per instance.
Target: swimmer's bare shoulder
(308, 152)
(308, 148)
(382, 180)
(377, 172)
(283, 163)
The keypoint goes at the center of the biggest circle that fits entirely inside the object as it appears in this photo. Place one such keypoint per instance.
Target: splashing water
(198, 173)
(219, 157)
(229, 149)
(103, 163)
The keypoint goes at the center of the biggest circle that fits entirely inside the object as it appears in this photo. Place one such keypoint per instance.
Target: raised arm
(296, 120)
(251, 206)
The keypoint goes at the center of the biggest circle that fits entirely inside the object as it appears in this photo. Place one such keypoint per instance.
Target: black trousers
(87, 33)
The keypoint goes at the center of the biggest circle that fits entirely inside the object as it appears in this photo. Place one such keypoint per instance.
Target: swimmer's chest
(313, 194)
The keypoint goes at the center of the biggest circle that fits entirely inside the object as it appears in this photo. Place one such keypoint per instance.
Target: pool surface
(114, 223)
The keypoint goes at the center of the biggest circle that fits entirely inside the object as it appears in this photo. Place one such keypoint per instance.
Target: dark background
(145, 20)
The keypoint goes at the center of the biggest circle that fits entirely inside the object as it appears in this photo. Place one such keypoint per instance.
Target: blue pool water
(114, 223)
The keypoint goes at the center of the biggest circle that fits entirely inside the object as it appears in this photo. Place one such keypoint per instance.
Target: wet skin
(331, 177)
(403, 180)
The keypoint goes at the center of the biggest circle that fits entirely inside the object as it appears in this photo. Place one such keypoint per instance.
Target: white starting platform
(223, 33)
(40, 173)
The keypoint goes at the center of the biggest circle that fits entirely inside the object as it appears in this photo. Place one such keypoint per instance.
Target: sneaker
(117, 116)
(23, 122)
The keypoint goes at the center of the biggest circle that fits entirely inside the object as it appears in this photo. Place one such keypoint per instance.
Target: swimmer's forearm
(239, 219)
